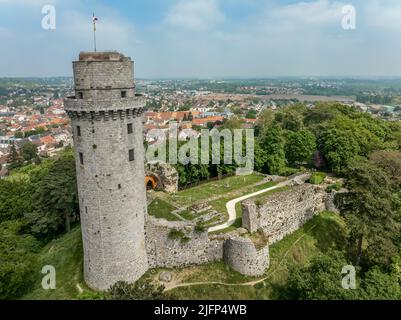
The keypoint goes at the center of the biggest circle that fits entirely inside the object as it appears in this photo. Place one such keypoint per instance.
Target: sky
(206, 38)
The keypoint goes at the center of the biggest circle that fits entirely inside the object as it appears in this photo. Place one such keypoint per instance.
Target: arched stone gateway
(164, 175)
(151, 182)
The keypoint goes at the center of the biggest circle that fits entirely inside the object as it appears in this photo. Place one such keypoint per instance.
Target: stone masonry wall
(165, 252)
(241, 255)
(284, 212)
(112, 195)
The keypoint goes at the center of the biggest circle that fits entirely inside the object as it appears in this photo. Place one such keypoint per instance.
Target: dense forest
(38, 202)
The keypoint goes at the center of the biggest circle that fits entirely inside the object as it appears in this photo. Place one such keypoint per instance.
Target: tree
(377, 285)
(17, 259)
(371, 212)
(29, 151)
(15, 199)
(137, 291)
(251, 114)
(265, 121)
(300, 147)
(232, 124)
(14, 159)
(273, 145)
(55, 199)
(291, 118)
(19, 135)
(390, 162)
(339, 148)
(321, 280)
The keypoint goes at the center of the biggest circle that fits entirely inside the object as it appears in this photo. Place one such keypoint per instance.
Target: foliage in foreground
(140, 290)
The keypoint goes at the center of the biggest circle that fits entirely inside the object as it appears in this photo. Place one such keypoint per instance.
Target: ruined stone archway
(151, 182)
(165, 175)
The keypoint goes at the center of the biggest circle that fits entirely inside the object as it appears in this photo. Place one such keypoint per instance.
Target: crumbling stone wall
(330, 202)
(284, 212)
(242, 255)
(165, 252)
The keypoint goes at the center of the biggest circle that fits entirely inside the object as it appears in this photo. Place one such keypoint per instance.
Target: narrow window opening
(131, 155)
(123, 94)
(81, 158)
(80, 95)
(119, 186)
(130, 128)
(78, 131)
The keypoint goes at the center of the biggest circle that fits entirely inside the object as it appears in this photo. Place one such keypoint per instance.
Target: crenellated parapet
(105, 110)
(106, 115)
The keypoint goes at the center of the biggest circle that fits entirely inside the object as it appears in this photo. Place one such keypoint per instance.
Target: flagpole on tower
(94, 19)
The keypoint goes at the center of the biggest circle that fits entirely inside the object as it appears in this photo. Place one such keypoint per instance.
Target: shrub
(87, 295)
(317, 178)
(137, 291)
(176, 234)
(200, 228)
(185, 239)
(336, 187)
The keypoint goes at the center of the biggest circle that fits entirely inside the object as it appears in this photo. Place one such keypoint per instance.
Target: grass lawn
(187, 215)
(162, 210)
(264, 197)
(215, 188)
(66, 255)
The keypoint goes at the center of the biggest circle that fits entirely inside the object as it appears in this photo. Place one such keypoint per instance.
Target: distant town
(32, 111)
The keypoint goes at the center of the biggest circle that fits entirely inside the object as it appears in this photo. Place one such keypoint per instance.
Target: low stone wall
(242, 255)
(330, 201)
(284, 212)
(239, 253)
(169, 253)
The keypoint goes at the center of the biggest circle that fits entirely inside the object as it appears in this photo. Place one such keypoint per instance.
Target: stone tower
(108, 139)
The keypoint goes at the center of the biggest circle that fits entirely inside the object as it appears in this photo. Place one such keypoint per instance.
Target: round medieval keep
(107, 130)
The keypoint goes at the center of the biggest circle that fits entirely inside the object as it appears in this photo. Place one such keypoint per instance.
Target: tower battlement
(102, 56)
(103, 75)
(91, 109)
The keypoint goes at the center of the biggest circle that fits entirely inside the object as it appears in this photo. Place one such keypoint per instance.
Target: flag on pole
(94, 19)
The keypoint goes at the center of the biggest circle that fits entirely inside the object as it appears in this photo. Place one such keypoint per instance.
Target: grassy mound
(319, 235)
(66, 255)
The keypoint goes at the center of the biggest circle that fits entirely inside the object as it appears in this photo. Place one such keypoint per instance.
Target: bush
(317, 178)
(176, 234)
(87, 295)
(137, 291)
(17, 260)
(332, 187)
(200, 228)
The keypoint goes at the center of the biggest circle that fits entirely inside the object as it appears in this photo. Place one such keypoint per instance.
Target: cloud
(5, 33)
(27, 2)
(320, 12)
(210, 38)
(113, 31)
(383, 15)
(195, 14)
